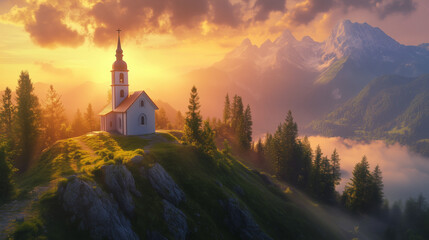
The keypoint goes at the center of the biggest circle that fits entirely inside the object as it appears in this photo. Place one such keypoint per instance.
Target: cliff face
(114, 190)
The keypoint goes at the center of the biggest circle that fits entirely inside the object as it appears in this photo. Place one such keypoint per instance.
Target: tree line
(293, 160)
(28, 125)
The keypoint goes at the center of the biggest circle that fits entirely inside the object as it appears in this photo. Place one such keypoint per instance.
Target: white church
(128, 114)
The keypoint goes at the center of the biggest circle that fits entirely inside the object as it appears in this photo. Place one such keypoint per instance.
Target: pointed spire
(119, 51)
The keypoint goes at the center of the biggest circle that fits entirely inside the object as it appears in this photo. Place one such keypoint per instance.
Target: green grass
(206, 181)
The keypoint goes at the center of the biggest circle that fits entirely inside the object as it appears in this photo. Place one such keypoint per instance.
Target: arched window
(121, 78)
(142, 120)
(141, 103)
(121, 93)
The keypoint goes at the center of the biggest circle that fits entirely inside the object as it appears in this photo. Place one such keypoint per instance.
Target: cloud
(50, 68)
(307, 10)
(53, 23)
(304, 12)
(48, 31)
(265, 7)
(405, 174)
(397, 6)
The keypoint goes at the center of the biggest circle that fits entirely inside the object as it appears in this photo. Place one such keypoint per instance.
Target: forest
(29, 125)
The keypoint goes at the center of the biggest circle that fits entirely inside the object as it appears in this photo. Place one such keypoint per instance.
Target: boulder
(164, 185)
(241, 222)
(120, 182)
(176, 220)
(137, 159)
(94, 210)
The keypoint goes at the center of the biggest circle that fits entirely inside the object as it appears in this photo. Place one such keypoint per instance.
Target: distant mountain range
(389, 107)
(310, 78)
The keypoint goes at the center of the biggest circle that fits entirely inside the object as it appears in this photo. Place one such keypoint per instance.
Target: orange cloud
(48, 30)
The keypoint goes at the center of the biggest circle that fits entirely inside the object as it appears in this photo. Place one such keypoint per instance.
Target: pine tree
(208, 139)
(306, 156)
(6, 185)
(237, 113)
(192, 129)
(316, 173)
(180, 120)
(53, 117)
(357, 193)
(246, 130)
(377, 190)
(7, 114)
(161, 119)
(90, 118)
(78, 126)
(226, 110)
(27, 120)
(336, 171)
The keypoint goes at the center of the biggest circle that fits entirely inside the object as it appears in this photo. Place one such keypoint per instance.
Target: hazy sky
(67, 41)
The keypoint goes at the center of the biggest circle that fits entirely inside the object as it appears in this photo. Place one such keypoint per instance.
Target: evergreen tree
(27, 120)
(246, 129)
(237, 113)
(259, 148)
(78, 126)
(357, 193)
(7, 114)
(90, 118)
(6, 185)
(192, 131)
(53, 117)
(162, 121)
(208, 139)
(377, 190)
(180, 120)
(336, 171)
(226, 110)
(316, 172)
(306, 158)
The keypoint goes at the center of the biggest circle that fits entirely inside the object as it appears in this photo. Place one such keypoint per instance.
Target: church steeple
(119, 64)
(119, 51)
(119, 77)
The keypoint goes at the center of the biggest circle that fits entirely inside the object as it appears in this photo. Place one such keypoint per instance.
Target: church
(127, 114)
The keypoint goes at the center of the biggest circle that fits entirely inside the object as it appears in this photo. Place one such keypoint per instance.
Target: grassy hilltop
(205, 180)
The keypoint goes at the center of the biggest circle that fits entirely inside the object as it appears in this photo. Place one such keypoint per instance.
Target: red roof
(126, 103)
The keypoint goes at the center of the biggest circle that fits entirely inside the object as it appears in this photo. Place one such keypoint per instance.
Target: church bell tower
(119, 77)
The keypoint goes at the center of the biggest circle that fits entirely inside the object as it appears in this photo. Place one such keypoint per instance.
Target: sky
(65, 42)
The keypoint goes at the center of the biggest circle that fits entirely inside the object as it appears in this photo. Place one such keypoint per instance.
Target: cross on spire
(119, 49)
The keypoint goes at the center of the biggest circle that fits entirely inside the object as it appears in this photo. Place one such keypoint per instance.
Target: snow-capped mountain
(356, 41)
(310, 78)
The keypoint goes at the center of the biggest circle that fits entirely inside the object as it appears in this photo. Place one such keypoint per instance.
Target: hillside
(390, 107)
(151, 187)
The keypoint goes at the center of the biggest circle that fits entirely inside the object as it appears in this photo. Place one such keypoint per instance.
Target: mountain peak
(285, 38)
(347, 36)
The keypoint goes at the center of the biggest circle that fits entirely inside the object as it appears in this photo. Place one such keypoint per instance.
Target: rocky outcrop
(120, 182)
(164, 185)
(94, 210)
(240, 221)
(176, 220)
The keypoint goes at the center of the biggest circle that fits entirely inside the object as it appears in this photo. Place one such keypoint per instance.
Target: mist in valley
(405, 173)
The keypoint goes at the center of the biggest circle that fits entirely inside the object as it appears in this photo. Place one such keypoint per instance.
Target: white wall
(117, 87)
(133, 117)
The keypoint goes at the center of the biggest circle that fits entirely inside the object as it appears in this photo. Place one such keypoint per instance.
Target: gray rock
(94, 210)
(176, 220)
(165, 185)
(241, 222)
(120, 183)
(137, 159)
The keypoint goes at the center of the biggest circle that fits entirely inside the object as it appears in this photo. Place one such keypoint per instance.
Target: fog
(405, 174)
